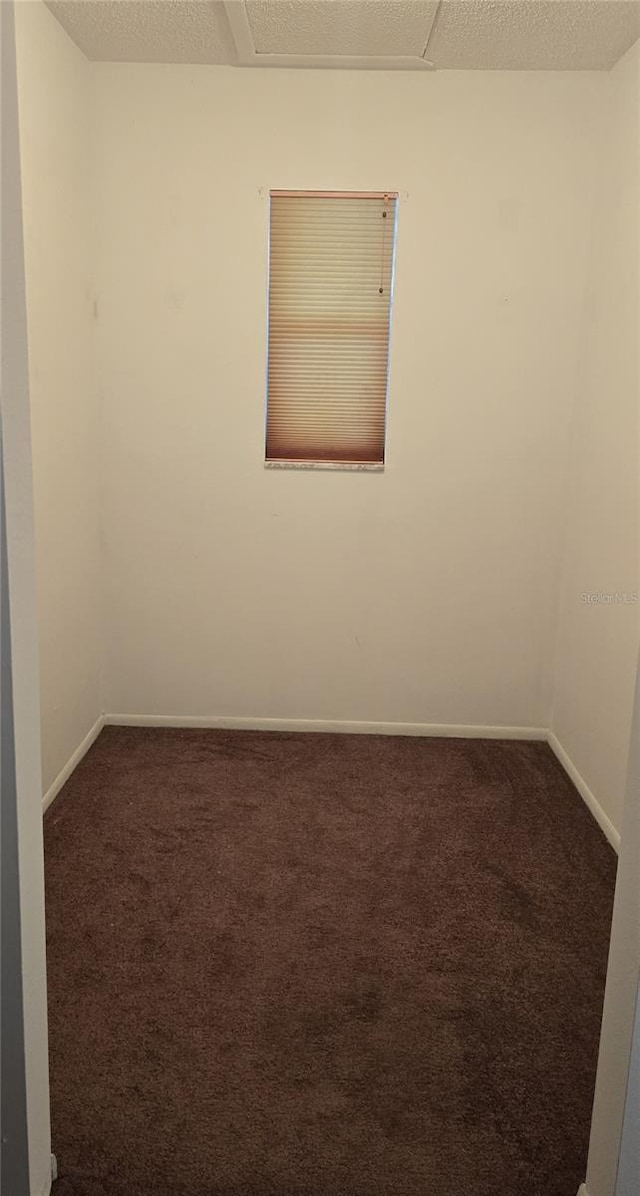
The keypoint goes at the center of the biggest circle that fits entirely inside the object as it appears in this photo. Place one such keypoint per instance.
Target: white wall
(623, 977)
(629, 1164)
(22, 856)
(597, 643)
(56, 118)
(425, 594)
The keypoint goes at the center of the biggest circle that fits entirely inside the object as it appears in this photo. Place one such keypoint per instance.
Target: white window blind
(330, 279)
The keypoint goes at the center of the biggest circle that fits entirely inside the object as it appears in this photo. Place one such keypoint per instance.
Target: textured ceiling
(533, 34)
(468, 34)
(147, 30)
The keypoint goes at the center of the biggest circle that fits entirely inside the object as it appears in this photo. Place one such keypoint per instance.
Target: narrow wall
(629, 1163)
(26, 1130)
(424, 594)
(599, 610)
(623, 978)
(594, 716)
(56, 117)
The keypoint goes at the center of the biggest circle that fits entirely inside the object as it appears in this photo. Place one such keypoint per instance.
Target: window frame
(323, 464)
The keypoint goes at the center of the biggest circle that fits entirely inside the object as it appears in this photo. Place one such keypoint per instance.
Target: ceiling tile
(345, 27)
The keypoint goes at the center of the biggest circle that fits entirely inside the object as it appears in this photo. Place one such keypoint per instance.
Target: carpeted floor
(323, 965)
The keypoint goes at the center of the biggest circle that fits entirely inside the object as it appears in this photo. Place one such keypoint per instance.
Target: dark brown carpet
(322, 965)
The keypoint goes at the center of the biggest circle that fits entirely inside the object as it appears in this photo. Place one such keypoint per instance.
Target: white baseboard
(445, 730)
(588, 797)
(223, 722)
(74, 759)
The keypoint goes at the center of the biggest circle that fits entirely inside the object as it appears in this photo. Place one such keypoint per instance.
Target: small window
(330, 282)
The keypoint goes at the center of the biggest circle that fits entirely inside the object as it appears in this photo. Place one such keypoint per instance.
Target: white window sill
(349, 466)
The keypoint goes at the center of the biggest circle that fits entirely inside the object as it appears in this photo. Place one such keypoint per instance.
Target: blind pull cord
(384, 230)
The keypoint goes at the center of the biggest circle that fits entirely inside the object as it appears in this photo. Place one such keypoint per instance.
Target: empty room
(331, 340)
